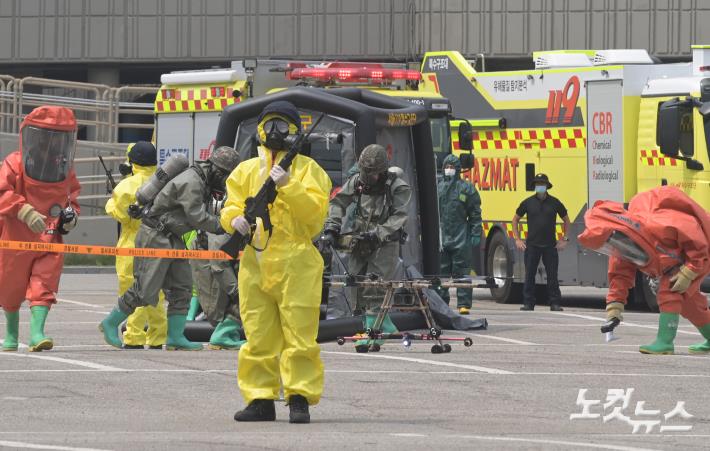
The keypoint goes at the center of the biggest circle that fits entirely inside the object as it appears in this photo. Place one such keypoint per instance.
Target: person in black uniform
(541, 242)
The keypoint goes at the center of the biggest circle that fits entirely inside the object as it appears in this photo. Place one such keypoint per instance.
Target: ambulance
(601, 124)
(188, 106)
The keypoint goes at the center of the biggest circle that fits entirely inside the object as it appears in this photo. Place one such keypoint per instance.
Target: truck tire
(499, 265)
(644, 292)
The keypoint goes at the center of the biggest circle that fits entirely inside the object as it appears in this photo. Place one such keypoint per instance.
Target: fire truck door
(173, 134)
(204, 134)
(605, 165)
(605, 146)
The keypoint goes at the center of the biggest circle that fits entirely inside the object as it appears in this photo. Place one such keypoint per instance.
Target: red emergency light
(350, 73)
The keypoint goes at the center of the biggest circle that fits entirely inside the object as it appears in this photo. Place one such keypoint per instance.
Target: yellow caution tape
(116, 251)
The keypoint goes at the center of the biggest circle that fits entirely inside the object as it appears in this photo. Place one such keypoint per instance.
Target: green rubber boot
(12, 329)
(702, 348)
(226, 336)
(667, 328)
(38, 341)
(388, 327)
(176, 335)
(109, 327)
(194, 309)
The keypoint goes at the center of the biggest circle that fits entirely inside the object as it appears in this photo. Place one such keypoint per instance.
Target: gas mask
(620, 245)
(276, 131)
(125, 169)
(218, 182)
(372, 182)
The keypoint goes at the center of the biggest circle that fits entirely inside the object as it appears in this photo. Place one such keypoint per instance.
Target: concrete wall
(83, 31)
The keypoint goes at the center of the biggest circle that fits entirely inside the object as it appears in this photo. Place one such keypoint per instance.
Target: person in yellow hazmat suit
(280, 277)
(142, 159)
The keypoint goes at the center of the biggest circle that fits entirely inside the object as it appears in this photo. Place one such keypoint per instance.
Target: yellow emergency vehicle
(188, 107)
(189, 103)
(601, 124)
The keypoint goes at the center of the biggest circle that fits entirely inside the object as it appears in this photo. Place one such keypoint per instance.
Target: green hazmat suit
(354, 212)
(460, 223)
(216, 284)
(181, 206)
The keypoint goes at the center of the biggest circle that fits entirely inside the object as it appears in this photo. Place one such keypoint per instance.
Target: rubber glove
(33, 219)
(241, 225)
(683, 278)
(615, 309)
(279, 176)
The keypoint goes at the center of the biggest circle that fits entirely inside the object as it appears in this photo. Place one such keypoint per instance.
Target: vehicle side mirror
(465, 136)
(466, 160)
(668, 127)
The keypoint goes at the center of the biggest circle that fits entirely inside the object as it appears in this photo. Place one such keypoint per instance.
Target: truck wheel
(645, 292)
(499, 263)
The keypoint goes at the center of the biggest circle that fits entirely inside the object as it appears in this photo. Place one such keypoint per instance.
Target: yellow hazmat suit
(280, 288)
(123, 195)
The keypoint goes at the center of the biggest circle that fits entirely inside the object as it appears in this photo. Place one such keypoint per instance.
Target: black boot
(257, 410)
(298, 410)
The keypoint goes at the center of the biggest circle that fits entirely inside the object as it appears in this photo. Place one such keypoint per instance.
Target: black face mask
(276, 131)
(125, 169)
(217, 182)
(368, 186)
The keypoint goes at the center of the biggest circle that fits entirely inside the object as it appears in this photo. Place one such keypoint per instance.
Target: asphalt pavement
(517, 387)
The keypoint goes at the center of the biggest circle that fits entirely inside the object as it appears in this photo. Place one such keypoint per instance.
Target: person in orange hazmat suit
(666, 235)
(38, 203)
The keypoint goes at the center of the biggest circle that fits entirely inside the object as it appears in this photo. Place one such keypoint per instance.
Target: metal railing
(101, 111)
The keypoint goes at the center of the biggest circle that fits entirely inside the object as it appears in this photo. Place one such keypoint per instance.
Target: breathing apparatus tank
(145, 195)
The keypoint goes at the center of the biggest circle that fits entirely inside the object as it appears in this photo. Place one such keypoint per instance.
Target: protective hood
(452, 159)
(667, 224)
(274, 138)
(48, 143)
(607, 217)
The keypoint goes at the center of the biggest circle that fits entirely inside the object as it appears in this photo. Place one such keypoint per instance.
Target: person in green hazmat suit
(460, 223)
(180, 206)
(372, 207)
(216, 283)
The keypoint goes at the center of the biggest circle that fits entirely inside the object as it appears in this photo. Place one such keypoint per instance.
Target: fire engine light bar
(488, 123)
(352, 74)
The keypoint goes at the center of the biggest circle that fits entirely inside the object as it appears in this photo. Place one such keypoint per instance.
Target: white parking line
(84, 304)
(687, 356)
(624, 323)
(507, 340)
(23, 445)
(553, 442)
(482, 369)
(543, 373)
(91, 365)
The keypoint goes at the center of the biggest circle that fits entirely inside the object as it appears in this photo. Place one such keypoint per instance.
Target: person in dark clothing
(542, 210)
